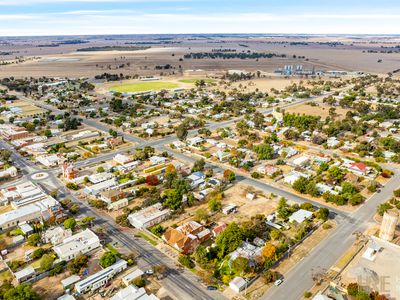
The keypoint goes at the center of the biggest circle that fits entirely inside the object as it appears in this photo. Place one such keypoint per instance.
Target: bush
(186, 261)
(256, 175)
(72, 186)
(307, 294)
(70, 223)
(158, 230)
(38, 253)
(77, 264)
(34, 239)
(46, 262)
(326, 226)
(353, 288)
(15, 264)
(108, 259)
(58, 268)
(270, 276)
(139, 282)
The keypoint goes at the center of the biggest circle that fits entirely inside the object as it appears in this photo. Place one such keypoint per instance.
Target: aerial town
(138, 167)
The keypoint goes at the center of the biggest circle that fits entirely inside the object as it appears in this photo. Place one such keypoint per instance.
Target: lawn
(143, 86)
(151, 241)
(193, 81)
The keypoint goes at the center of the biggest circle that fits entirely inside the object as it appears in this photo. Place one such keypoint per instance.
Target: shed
(26, 229)
(25, 274)
(69, 281)
(237, 284)
(132, 276)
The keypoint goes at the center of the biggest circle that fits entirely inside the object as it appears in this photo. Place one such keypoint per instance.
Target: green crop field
(143, 86)
(196, 79)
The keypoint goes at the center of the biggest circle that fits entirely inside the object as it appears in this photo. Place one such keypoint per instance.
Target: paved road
(299, 280)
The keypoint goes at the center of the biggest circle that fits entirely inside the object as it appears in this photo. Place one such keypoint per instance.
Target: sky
(80, 17)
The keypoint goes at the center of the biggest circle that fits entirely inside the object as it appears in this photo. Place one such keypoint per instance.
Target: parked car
(149, 272)
(278, 282)
(211, 288)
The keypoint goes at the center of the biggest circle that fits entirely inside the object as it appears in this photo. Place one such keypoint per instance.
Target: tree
(38, 253)
(23, 291)
(283, 209)
(181, 131)
(46, 262)
(5, 154)
(229, 176)
(72, 186)
(174, 199)
(269, 251)
(356, 199)
(275, 234)
(353, 288)
(322, 213)
(300, 184)
(34, 239)
(335, 173)
(240, 265)
(199, 165)
(139, 282)
(201, 255)
(108, 259)
(264, 151)
(214, 204)
(152, 180)
(361, 295)
(70, 223)
(100, 169)
(201, 215)
(229, 239)
(77, 264)
(270, 276)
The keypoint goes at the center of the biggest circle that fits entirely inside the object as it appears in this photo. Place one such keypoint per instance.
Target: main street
(298, 279)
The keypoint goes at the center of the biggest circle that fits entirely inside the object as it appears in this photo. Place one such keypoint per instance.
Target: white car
(149, 272)
(278, 282)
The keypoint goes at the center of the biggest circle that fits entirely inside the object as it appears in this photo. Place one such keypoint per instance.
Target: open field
(194, 80)
(351, 53)
(143, 86)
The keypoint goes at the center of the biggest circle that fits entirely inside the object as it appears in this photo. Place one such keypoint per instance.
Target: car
(278, 282)
(211, 288)
(149, 272)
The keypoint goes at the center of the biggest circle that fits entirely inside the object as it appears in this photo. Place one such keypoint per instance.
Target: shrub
(70, 223)
(186, 261)
(307, 294)
(38, 253)
(46, 262)
(34, 239)
(108, 259)
(353, 288)
(139, 282)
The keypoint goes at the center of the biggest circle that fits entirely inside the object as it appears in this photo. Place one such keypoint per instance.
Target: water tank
(388, 226)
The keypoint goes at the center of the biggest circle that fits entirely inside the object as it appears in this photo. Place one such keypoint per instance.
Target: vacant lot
(194, 80)
(143, 87)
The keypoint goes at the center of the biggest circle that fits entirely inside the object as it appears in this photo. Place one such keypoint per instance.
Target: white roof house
(300, 216)
(133, 293)
(293, 176)
(56, 235)
(69, 281)
(149, 216)
(100, 177)
(122, 159)
(100, 278)
(100, 187)
(48, 160)
(301, 161)
(80, 243)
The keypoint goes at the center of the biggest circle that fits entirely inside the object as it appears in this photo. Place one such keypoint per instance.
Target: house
(218, 229)
(112, 195)
(51, 160)
(300, 216)
(100, 278)
(324, 188)
(68, 170)
(237, 284)
(26, 229)
(332, 142)
(293, 176)
(132, 292)
(221, 155)
(196, 179)
(358, 168)
(251, 252)
(45, 210)
(187, 237)
(195, 141)
(100, 177)
(8, 173)
(268, 170)
(288, 152)
(81, 243)
(301, 161)
(114, 142)
(100, 187)
(122, 159)
(127, 279)
(149, 216)
(56, 235)
(157, 160)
